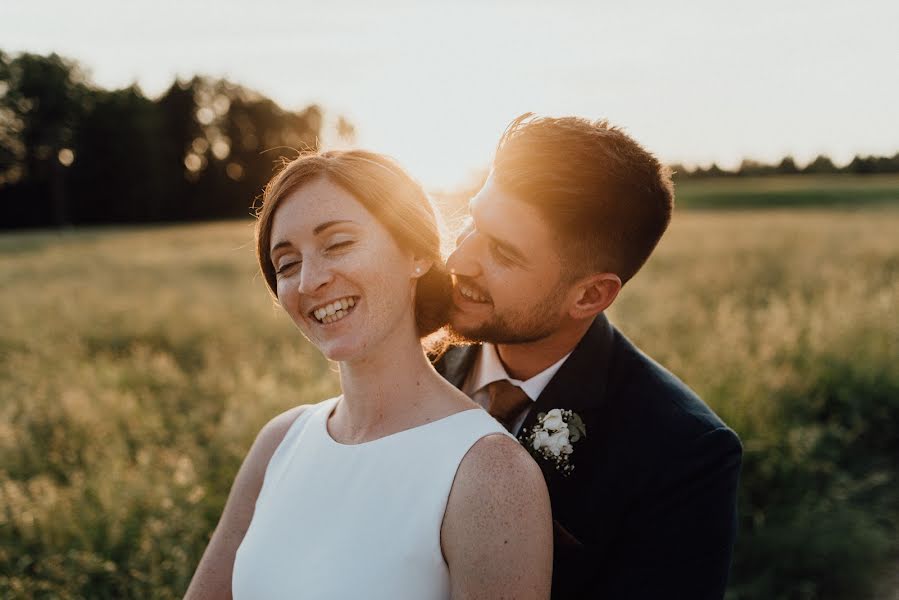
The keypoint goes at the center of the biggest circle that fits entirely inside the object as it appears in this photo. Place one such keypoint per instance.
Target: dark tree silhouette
(42, 102)
(821, 164)
(787, 166)
(71, 153)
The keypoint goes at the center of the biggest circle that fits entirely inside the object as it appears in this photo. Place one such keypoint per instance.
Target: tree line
(72, 153)
(820, 165)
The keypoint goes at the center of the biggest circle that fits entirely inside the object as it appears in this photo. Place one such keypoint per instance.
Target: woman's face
(340, 275)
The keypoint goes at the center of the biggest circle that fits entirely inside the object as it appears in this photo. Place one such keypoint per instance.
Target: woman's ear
(594, 294)
(420, 266)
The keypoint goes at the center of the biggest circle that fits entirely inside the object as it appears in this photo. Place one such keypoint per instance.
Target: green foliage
(822, 191)
(72, 153)
(137, 368)
(820, 165)
(139, 364)
(784, 323)
(820, 496)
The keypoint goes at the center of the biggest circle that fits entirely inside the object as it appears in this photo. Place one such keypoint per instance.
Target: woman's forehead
(306, 210)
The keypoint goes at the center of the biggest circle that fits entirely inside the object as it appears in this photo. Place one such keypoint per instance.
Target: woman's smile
(334, 311)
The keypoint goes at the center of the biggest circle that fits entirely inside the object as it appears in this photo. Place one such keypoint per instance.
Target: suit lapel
(579, 386)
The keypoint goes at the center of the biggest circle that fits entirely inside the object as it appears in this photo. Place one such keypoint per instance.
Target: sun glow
(434, 84)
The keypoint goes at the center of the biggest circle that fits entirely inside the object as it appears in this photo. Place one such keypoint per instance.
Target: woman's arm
(212, 578)
(497, 530)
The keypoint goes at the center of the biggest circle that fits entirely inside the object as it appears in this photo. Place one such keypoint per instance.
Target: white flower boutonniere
(552, 438)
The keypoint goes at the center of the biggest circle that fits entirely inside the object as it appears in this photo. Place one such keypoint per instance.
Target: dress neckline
(327, 434)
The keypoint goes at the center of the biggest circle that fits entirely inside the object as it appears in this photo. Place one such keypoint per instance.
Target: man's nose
(466, 231)
(314, 275)
(463, 260)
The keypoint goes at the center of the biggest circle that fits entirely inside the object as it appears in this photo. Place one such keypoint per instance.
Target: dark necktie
(507, 401)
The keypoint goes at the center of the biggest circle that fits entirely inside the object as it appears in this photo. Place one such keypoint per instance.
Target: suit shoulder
(658, 398)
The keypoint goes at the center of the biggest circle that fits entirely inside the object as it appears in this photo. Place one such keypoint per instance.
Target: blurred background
(139, 350)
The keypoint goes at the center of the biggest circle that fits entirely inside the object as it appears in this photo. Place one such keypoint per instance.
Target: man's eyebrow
(507, 247)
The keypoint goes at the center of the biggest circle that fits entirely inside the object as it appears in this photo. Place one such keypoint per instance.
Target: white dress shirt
(489, 368)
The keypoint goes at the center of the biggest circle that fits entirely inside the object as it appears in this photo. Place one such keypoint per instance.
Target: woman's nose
(314, 275)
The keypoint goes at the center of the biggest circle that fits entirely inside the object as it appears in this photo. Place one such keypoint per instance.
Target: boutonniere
(553, 436)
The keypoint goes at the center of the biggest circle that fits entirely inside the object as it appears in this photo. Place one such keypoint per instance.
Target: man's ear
(593, 294)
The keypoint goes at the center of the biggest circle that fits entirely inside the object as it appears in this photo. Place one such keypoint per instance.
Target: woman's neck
(390, 389)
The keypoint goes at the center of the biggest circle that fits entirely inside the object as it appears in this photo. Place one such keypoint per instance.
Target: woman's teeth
(470, 293)
(334, 311)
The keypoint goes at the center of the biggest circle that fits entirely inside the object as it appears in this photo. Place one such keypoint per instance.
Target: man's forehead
(491, 195)
(504, 217)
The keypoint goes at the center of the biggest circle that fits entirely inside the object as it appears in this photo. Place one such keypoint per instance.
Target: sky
(435, 83)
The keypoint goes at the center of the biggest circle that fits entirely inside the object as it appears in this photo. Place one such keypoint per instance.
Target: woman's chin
(339, 350)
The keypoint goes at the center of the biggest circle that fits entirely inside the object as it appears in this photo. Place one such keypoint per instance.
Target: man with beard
(642, 474)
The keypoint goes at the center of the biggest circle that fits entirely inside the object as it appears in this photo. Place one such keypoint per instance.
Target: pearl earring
(418, 270)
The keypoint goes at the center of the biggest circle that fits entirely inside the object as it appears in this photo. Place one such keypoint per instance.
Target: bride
(401, 487)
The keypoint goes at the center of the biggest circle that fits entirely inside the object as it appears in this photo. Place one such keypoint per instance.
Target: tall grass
(785, 323)
(138, 365)
(809, 191)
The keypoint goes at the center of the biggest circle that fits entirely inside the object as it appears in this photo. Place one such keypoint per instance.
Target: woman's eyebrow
(318, 229)
(327, 224)
(280, 244)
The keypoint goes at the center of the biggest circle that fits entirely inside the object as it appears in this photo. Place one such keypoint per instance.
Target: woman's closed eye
(340, 245)
(286, 266)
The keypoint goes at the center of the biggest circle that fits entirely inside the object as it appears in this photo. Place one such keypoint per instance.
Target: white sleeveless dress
(337, 521)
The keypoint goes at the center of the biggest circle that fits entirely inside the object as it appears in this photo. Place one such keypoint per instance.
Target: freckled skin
(497, 492)
(371, 268)
(497, 533)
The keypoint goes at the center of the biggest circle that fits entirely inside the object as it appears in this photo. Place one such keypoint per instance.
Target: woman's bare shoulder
(277, 427)
(497, 465)
(272, 434)
(497, 530)
(212, 578)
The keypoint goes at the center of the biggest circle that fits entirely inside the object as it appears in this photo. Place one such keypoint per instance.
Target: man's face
(507, 272)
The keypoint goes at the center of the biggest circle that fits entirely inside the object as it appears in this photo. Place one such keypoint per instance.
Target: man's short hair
(607, 199)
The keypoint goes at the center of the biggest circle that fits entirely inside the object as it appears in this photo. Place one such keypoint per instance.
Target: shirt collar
(489, 368)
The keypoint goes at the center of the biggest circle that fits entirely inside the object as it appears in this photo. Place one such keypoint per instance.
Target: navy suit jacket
(649, 510)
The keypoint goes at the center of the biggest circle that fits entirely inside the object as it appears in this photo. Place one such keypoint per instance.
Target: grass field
(815, 191)
(138, 364)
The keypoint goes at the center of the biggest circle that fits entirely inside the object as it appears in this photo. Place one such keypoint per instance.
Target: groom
(641, 473)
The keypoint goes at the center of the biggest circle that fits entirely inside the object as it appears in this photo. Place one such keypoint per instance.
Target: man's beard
(530, 326)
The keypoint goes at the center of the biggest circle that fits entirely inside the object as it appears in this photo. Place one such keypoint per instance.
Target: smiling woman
(385, 194)
(336, 269)
(401, 480)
